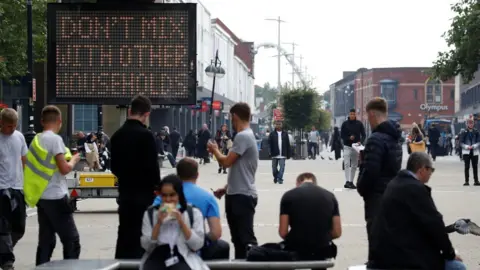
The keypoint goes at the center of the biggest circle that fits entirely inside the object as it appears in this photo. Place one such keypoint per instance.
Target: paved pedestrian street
(97, 220)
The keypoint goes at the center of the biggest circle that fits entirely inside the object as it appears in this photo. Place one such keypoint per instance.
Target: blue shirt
(198, 197)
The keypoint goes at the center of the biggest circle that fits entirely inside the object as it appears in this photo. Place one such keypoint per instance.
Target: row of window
(470, 97)
(433, 93)
(85, 118)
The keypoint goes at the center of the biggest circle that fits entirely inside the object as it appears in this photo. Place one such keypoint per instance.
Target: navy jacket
(382, 159)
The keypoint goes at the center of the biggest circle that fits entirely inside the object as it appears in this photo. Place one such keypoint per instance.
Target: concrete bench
(216, 264)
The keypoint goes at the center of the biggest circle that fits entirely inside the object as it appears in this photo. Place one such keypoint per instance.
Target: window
(433, 93)
(389, 92)
(415, 94)
(85, 118)
(452, 94)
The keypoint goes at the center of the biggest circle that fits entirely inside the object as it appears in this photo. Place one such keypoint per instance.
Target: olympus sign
(437, 108)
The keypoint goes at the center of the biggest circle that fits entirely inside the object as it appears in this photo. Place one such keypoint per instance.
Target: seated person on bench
(173, 232)
(313, 216)
(215, 248)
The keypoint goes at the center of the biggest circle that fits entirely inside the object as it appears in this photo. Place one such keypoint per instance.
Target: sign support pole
(30, 134)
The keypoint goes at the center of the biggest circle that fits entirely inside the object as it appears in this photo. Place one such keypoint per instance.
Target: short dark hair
(241, 110)
(187, 169)
(140, 105)
(353, 110)
(377, 104)
(50, 114)
(306, 176)
(418, 160)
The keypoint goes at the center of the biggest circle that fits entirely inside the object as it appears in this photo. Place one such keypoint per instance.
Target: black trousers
(56, 217)
(467, 159)
(12, 223)
(371, 206)
(130, 215)
(433, 150)
(175, 151)
(240, 211)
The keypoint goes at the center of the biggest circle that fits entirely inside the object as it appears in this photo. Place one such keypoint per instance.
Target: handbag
(229, 144)
(417, 147)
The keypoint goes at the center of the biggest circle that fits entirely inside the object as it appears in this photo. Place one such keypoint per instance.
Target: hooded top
(382, 159)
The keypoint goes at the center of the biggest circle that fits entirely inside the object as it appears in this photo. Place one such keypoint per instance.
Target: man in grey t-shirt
(13, 151)
(241, 198)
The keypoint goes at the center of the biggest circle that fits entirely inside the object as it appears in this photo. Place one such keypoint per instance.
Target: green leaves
(13, 36)
(298, 107)
(463, 38)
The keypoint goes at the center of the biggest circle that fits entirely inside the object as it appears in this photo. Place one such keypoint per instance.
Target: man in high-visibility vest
(13, 151)
(45, 185)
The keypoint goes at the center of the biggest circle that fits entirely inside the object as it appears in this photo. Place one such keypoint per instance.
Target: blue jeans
(455, 265)
(278, 173)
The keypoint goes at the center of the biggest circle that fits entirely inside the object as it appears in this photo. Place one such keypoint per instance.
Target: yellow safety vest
(39, 169)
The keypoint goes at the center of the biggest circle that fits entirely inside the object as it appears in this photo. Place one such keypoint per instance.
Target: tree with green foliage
(463, 38)
(13, 36)
(268, 93)
(300, 107)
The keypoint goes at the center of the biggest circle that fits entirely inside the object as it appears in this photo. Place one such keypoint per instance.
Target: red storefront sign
(277, 115)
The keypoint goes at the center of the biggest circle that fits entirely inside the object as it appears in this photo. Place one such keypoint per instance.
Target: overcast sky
(340, 35)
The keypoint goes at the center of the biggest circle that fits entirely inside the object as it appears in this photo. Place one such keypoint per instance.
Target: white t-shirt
(57, 187)
(279, 135)
(12, 148)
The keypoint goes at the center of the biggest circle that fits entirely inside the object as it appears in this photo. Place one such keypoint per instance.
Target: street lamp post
(30, 134)
(214, 70)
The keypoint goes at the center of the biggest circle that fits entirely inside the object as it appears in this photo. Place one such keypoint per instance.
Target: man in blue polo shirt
(215, 248)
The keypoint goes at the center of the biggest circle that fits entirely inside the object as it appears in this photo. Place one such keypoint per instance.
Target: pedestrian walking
(470, 143)
(175, 140)
(13, 151)
(352, 131)
(223, 138)
(45, 186)
(241, 198)
(280, 151)
(134, 163)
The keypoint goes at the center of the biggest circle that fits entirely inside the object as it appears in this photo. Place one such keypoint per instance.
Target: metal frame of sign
(52, 54)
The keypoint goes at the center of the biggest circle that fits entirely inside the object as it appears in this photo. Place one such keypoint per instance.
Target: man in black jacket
(382, 158)
(175, 139)
(352, 131)
(469, 143)
(408, 232)
(279, 151)
(134, 163)
(433, 138)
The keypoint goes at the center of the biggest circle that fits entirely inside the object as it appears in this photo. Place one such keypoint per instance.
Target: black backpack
(153, 208)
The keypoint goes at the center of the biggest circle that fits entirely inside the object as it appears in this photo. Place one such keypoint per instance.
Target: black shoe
(8, 266)
(466, 184)
(224, 171)
(219, 170)
(476, 183)
(275, 180)
(322, 157)
(347, 185)
(280, 181)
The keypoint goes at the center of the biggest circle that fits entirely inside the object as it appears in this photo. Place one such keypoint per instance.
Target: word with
(118, 56)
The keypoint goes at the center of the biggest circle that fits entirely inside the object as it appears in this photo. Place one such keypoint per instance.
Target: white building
(238, 83)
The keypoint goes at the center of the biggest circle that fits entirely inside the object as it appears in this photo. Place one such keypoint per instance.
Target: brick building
(411, 95)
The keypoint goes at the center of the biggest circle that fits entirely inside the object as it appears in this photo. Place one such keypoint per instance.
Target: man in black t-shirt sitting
(313, 216)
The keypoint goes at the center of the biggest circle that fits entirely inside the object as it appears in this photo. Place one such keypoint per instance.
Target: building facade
(343, 94)
(468, 97)
(411, 95)
(237, 84)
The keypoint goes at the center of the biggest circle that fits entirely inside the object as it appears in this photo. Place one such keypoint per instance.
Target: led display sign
(106, 54)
